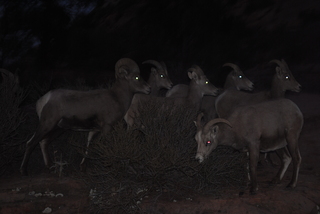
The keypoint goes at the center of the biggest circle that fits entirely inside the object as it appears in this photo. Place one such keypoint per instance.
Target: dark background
(49, 41)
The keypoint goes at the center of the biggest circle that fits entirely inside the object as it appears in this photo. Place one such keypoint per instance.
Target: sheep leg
(253, 158)
(105, 129)
(285, 158)
(44, 146)
(269, 159)
(44, 149)
(296, 158)
(31, 145)
(91, 136)
(129, 118)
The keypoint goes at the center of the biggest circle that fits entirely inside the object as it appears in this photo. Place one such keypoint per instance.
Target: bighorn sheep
(282, 81)
(198, 87)
(93, 111)
(236, 80)
(158, 79)
(268, 126)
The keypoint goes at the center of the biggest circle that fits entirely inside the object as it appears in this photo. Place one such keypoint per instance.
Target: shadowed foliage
(157, 159)
(12, 121)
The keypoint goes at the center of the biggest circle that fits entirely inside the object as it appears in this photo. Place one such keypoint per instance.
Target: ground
(69, 195)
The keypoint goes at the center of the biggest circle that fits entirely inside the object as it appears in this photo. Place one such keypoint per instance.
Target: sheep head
(239, 80)
(285, 77)
(207, 137)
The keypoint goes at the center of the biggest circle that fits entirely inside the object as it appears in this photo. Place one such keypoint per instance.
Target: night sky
(61, 39)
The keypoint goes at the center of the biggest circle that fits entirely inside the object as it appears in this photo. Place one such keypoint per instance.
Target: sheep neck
(229, 83)
(277, 90)
(227, 136)
(194, 94)
(153, 84)
(122, 93)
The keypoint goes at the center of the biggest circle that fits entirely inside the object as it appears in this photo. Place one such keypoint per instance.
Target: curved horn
(192, 70)
(198, 69)
(278, 62)
(198, 121)
(284, 63)
(215, 121)
(233, 66)
(164, 66)
(155, 63)
(128, 65)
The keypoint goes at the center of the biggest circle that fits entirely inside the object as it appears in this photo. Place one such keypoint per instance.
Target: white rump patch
(42, 102)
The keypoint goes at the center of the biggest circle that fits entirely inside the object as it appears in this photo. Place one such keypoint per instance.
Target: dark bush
(157, 158)
(11, 120)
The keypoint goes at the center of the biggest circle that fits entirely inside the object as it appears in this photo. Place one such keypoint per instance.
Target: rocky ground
(48, 192)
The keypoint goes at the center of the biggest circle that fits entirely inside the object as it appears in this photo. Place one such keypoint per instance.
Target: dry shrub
(11, 120)
(158, 157)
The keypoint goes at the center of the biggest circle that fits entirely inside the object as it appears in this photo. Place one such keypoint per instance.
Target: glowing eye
(207, 82)
(208, 142)
(287, 77)
(137, 78)
(161, 75)
(240, 77)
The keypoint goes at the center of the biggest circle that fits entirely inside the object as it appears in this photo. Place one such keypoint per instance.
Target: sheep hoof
(275, 181)
(290, 186)
(253, 191)
(83, 167)
(23, 172)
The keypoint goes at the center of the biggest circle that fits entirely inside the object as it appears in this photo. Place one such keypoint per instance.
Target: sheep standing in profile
(268, 126)
(94, 111)
(283, 80)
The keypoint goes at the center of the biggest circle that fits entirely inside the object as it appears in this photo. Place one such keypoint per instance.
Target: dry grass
(128, 165)
(11, 121)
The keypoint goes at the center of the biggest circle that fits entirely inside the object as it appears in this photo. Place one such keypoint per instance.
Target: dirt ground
(35, 193)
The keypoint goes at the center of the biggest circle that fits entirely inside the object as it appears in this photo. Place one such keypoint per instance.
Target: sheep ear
(214, 131)
(234, 73)
(193, 75)
(122, 73)
(279, 72)
(154, 71)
